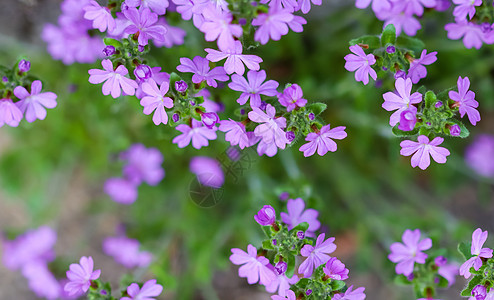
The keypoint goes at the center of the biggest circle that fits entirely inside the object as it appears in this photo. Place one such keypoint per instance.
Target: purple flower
(197, 133)
(479, 292)
(408, 118)
(101, 16)
(143, 72)
(217, 26)
(297, 215)
(478, 239)
(271, 129)
(10, 114)
(480, 155)
(322, 140)
(268, 148)
(121, 190)
(254, 268)
(235, 60)
(466, 100)
(472, 34)
(208, 171)
(422, 149)
(316, 255)
(378, 6)
(200, 67)
(304, 5)
(115, 80)
(41, 281)
(351, 294)
(173, 36)
(157, 6)
(35, 245)
(143, 25)
(282, 285)
(109, 50)
(235, 133)
(155, 100)
(465, 8)
(410, 252)
(210, 119)
(401, 101)
(80, 276)
(126, 252)
(292, 97)
(273, 24)
(33, 104)
(335, 269)
(360, 62)
(401, 21)
(266, 216)
(290, 5)
(143, 164)
(181, 86)
(411, 7)
(290, 295)
(455, 130)
(24, 66)
(253, 88)
(148, 291)
(449, 272)
(417, 70)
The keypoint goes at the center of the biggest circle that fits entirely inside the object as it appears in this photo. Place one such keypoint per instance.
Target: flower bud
(24, 66)
(408, 119)
(440, 261)
(290, 136)
(479, 292)
(266, 216)
(143, 72)
(438, 104)
(175, 117)
(109, 51)
(400, 74)
(210, 119)
(280, 267)
(455, 130)
(391, 49)
(312, 116)
(301, 234)
(181, 86)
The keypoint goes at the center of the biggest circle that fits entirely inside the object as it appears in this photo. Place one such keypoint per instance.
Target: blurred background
(52, 171)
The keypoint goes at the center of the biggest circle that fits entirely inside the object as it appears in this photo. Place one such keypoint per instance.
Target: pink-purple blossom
(10, 114)
(478, 239)
(401, 21)
(408, 119)
(156, 100)
(335, 269)
(80, 276)
(296, 215)
(465, 8)
(466, 100)
(316, 255)
(291, 98)
(402, 100)
(417, 70)
(144, 25)
(305, 5)
(361, 64)
(174, 36)
(272, 25)
(350, 293)
(254, 268)
(235, 60)
(236, 134)
(126, 252)
(409, 252)
(115, 80)
(200, 67)
(322, 140)
(208, 171)
(266, 216)
(197, 133)
(472, 34)
(290, 295)
(157, 6)
(33, 105)
(423, 149)
(480, 155)
(101, 16)
(253, 88)
(378, 6)
(121, 190)
(143, 164)
(218, 26)
(271, 129)
(148, 291)
(282, 284)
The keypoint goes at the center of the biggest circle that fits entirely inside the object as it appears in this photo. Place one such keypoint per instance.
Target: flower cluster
(21, 97)
(272, 119)
(426, 272)
(478, 267)
(142, 165)
(273, 265)
(422, 114)
(83, 278)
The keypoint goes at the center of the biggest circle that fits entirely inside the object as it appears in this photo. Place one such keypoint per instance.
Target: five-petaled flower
(115, 80)
(197, 133)
(155, 100)
(316, 255)
(401, 101)
(253, 88)
(148, 291)
(80, 276)
(361, 63)
(33, 104)
(200, 67)
(254, 268)
(410, 252)
(422, 149)
(466, 100)
(322, 140)
(478, 239)
(296, 215)
(271, 129)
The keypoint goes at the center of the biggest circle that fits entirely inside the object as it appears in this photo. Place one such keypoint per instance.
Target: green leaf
(464, 249)
(370, 40)
(267, 245)
(300, 227)
(413, 44)
(317, 108)
(443, 282)
(267, 230)
(388, 36)
(400, 133)
(476, 280)
(112, 42)
(430, 99)
(402, 280)
(337, 285)
(290, 270)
